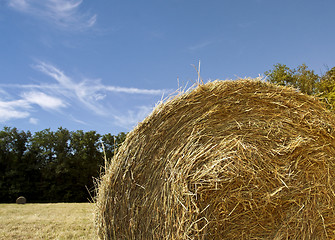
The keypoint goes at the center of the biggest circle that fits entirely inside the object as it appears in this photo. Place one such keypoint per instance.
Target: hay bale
(227, 160)
(21, 200)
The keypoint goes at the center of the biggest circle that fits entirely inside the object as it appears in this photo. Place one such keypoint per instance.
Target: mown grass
(47, 221)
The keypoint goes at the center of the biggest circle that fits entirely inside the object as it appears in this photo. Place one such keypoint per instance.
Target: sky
(103, 65)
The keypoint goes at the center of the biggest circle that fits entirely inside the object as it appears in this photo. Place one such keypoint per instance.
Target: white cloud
(200, 45)
(33, 121)
(88, 92)
(3, 93)
(134, 90)
(88, 86)
(62, 7)
(55, 73)
(20, 5)
(13, 110)
(63, 13)
(77, 120)
(92, 21)
(89, 95)
(43, 100)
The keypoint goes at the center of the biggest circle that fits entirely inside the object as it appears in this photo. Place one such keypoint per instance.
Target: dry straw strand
(239, 159)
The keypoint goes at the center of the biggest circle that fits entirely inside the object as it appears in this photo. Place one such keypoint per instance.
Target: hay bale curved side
(228, 160)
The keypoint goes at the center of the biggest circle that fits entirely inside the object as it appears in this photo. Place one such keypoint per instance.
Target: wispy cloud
(89, 92)
(33, 121)
(21, 108)
(21, 5)
(132, 117)
(66, 93)
(88, 87)
(200, 45)
(13, 110)
(133, 90)
(64, 13)
(77, 120)
(43, 100)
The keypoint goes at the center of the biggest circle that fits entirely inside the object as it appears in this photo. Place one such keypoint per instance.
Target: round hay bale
(237, 159)
(21, 200)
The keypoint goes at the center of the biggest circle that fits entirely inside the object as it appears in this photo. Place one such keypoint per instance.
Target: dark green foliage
(14, 165)
(51, 166)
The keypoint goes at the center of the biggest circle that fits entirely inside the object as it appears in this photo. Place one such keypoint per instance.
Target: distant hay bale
(21, 200)
(237, 159)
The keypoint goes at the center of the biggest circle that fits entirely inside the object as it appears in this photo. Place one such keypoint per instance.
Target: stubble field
(47, 221)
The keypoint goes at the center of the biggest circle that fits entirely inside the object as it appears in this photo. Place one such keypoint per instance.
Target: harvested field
(47, 221)
(226, 160)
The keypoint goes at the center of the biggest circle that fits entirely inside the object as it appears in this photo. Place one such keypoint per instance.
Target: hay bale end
(237, 159)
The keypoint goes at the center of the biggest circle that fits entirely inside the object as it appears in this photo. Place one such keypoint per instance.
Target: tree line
(306, 80)
(52, 166)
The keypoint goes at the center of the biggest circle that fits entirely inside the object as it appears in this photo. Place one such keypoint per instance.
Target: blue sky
(103, 65)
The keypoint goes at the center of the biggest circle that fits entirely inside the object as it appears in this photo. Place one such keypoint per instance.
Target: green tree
(327, 87)
(43, 144)
(51, 166)
(306, 80)
(301, 78)
(33, 172)
(87, 157)
(281, 75)
(63, 164)
(15, 178)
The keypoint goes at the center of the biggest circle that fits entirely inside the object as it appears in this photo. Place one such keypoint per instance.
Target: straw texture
(237, 159)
